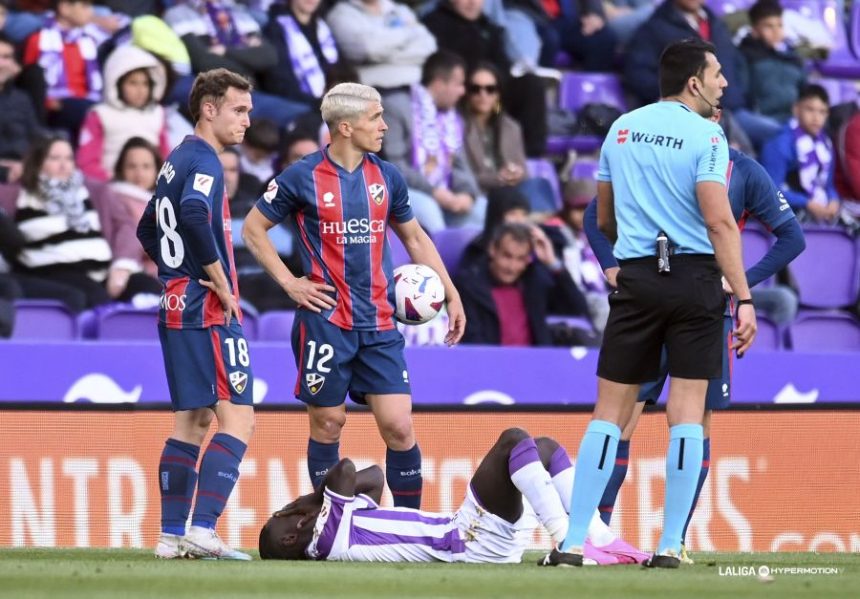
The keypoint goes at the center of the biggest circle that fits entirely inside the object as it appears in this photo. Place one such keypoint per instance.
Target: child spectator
(800, 158)
(67, 50)
(776, 72)
(258, 150)
(134, 85)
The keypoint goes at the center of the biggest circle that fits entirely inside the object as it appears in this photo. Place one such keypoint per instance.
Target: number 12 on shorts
(322, 358)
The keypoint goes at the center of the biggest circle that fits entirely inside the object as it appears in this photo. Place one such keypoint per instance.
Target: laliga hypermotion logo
(622, 135)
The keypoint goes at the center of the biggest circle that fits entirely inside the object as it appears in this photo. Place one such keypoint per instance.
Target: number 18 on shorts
(205, 366)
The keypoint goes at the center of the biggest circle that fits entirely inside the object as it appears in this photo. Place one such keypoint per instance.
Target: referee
(662, 200)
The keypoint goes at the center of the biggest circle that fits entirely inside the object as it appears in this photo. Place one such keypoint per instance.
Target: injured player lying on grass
(342, 520)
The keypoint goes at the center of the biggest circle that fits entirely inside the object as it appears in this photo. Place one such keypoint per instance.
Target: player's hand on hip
(746, 329)
(611, 275)
(456, 321)
(228, 302)
(311, 295)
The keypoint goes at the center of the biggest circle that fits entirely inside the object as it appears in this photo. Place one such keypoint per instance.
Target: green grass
(124, 573)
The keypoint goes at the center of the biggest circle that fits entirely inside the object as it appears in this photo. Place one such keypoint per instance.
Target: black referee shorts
(682, 310)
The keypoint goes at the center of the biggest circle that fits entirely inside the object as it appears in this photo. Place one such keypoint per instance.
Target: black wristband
(746, 301)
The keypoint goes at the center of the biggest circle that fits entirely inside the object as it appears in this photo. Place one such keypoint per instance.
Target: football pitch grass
(128, 573)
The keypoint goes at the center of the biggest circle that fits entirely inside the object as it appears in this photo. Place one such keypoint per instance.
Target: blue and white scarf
(51, 41)
(436, 137)
(304, 60)
(814, 158)
(224, 25)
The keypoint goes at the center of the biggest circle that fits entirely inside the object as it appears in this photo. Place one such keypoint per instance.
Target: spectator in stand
(575, 251)
(221, 33)
(461, 27)
(134, 85)
(306, 51)
(80, 241)
(576, 26)
(258, 151)
(425, 141)
(258, 288)
(848, 170)
(11, 242)
(297, 146)
(389, 59)
(494, 141)
(624, 17)
(507, 296)
(800, 159)
(675, 20)
(776, 72)
(18, 124)
(67, 50)
(133, 184)
(504, 205)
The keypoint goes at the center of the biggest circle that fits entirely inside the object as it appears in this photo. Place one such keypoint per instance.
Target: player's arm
(606, 211)
(306, 293)
(600, 244)
(421, 250)
(194, 216)
(147, 232)
(725, 237)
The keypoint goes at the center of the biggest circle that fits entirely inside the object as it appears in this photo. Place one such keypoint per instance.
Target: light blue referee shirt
(654, 156)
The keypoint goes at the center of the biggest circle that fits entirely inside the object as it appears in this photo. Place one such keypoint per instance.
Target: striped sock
(177, 478)
(321, 458)
(219, 472)
(403, 471)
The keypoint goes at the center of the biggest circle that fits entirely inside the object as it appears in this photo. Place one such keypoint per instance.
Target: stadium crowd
(94, 95)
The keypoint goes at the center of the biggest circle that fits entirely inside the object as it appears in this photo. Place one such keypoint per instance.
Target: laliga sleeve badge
(271, 191)
(314, 382)
(239, 381)
(203, 183)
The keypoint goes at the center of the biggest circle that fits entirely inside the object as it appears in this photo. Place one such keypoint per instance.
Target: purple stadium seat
(579, 89)
(399, 256)
(584, 169)
(451, 243)
(827, 271)
(755, 244)
(126, 322)
(540, 167)
(43, 319)
(768, 337)
(276, 325)
(841, 62)
(826, 331)
(726, 7)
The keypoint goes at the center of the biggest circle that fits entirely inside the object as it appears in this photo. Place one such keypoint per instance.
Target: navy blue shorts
(332, 362)
(207, 365)
(718, 396)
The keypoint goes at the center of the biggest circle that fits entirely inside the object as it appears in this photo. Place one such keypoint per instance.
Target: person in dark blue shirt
(185, 229)
(752, 193)
(343, 199)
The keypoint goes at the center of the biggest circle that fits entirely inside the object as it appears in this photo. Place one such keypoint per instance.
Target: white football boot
(170, 546)
(204, 543)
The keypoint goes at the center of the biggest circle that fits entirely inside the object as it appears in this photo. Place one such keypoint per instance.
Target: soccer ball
(419, 293)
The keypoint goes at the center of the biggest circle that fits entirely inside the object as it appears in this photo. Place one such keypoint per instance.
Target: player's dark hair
(813, 90)
(35, 158)
(212, 86)
(440, 65)
(764, 9)
(519, 232)
(680, 61)
(135, 143)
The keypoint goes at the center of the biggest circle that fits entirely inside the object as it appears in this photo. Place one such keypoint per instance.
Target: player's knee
(546, 448)
(326, 428)
(399, 434)
(510, 437)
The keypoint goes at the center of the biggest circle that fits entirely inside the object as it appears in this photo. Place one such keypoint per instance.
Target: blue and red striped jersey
(342, 220)
(191, 173)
